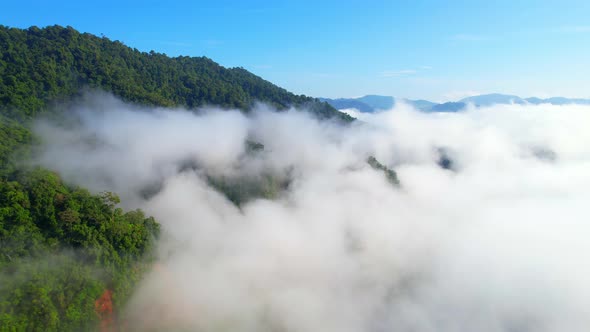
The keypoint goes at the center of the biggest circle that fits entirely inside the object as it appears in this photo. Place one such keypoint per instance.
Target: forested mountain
(70, 259)
(67, 257)
(39, 66)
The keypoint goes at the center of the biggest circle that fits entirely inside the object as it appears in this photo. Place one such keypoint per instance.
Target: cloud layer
(498, 242)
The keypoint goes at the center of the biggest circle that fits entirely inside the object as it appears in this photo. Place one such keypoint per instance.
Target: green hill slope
(39, 66)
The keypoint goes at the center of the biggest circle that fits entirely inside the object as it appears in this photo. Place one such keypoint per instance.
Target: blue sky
(438, 50)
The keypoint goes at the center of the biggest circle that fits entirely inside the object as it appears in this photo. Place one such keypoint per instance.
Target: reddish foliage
(104, 309)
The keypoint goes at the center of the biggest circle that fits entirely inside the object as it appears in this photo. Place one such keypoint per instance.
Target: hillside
(61, 249)
(41, 66)
(69, 259)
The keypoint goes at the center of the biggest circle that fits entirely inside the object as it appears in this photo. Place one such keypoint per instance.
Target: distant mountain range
(373, 103)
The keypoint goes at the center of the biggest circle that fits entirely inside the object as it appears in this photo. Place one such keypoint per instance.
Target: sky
(436, 50)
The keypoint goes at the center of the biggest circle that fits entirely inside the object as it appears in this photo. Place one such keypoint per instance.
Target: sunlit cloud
(493, 239)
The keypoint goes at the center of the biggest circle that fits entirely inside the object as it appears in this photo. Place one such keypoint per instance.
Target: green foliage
(389, 173)
(13, 137)
(41, 66)
(60, 248)
(240, 190)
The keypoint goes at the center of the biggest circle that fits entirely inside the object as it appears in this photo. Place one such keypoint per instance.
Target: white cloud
(499, 243)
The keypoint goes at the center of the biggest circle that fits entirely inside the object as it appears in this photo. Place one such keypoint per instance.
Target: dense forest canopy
(61, 249)
(41, 66)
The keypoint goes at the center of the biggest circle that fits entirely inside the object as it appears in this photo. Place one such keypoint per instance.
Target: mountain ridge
(51, 64)
(362, 105)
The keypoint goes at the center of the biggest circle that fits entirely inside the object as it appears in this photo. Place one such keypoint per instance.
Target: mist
(497, 241)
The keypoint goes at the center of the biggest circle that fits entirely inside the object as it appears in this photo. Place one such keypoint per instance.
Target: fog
(497, 241)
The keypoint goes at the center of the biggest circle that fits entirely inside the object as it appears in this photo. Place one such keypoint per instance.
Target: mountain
(346, 103)
(534, 100)
(558, 101)
(448, 107)
(373, 103)
(42, 66)
(491, 99)
(421, 104)
(68, 257)
(378, 102)
(496, 98)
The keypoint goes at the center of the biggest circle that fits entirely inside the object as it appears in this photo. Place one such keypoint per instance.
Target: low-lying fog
(496, 240)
